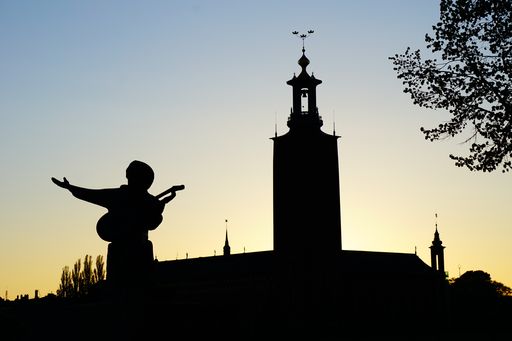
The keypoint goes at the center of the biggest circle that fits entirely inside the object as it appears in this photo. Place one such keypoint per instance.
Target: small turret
(437, 253)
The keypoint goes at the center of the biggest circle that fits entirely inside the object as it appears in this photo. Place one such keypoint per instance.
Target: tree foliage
(480, 302)
(66, 286)
(76, 276)
(476, 291)
(479, 285)
(79, 281)
(99, 271)
(87, 275)
(473, 39)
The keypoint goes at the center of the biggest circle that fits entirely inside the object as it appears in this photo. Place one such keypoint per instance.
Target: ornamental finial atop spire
(303, 61)
(303, 37)
(437, 240)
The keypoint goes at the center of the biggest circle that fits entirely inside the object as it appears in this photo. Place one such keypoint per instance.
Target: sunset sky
(195, 89)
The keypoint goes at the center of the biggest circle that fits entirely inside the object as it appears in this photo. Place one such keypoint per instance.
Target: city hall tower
(307, 219)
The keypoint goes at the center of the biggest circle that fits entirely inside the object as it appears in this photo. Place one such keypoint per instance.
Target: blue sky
(194, 89)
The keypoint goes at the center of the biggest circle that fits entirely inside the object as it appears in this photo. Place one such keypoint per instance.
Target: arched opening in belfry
(304, 100)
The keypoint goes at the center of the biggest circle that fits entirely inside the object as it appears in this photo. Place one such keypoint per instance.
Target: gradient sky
(194, 89)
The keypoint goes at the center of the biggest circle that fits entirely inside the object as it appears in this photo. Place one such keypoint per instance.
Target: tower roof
(304, 80)
(303, 61)
(437, 241)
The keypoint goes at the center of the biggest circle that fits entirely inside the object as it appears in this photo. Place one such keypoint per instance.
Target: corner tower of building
(437, 254)
(307, 219)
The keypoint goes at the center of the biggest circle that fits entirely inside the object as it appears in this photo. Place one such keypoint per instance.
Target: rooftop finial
(333, 122)
(303, 36)
(275, 125)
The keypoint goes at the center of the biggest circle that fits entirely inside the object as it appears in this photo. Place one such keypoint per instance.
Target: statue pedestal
(129, 263)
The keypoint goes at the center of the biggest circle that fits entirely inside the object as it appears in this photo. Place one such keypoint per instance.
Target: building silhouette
(308, 287)
(308, 282)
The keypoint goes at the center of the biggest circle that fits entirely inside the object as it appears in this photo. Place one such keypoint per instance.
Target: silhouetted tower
(307, 218)
(437, 254)
(226, 248)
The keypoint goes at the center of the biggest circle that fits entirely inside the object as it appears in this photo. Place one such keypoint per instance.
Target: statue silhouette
(132, 211)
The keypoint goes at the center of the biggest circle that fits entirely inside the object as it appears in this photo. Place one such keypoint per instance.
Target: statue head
(139, 175)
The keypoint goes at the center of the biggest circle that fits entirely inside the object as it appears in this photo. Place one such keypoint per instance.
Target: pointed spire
(437, 240)
(226, 248)
(437, 253)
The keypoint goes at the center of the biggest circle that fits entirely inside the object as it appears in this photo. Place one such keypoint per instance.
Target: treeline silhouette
(78, 281)
(478, 302)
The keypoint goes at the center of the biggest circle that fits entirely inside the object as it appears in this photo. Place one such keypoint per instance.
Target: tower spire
(226, 248)
(437, 252)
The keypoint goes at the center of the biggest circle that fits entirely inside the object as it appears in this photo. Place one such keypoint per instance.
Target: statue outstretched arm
(101, 197)
(64, 184)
